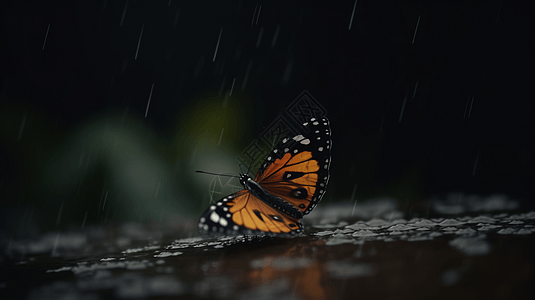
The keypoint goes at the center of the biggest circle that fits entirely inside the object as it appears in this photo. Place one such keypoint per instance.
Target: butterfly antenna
(210, 173)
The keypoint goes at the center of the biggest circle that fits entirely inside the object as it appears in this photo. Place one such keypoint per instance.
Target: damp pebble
(323, 233)
(401, 227)
(506, 231)
(451, 222)
(167, 254)
(488, 227)
(135, 250)
(364, 233)
(524, 231)
(377, 222)
(424, 223)
(482, 219)
(450, 229)
(516, 222)
(517, 217)
(435, 234)
(347, 230)
(396, 233)
(357, 226)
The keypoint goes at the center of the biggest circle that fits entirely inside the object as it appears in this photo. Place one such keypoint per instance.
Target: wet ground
(452, 248)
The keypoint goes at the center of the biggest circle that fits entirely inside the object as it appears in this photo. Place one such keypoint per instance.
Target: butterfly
(289, 184)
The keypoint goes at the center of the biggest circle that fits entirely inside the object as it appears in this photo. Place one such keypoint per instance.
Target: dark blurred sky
(446, 107)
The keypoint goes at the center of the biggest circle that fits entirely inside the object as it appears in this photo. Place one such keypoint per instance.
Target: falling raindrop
(258, 16)
(358, 254)
(222, 86)
(46, 36)
(148, 103)
(291, 43)
(402, 109)
(100, 202)
(246, 75)
(352, 15)
(157, 189)
(21, 128)
(83, 222)
(58, 219)
(259, 37)
(498, 14)
(275, 36)
(177, 16)
(471, 103)
(55, 245)
(232, 87)
(217, 45)
(124, 13)
(475, 165)
(105, 198)
(139, 41)
(221, 136)
(81, 160)
(254, 15)
(416, 29)
(353, 197)
(287, 72)
(415, 88)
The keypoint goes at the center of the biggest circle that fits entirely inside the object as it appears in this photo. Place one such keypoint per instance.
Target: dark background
(414, 115)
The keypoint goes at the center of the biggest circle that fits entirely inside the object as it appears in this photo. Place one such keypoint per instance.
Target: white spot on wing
(305, 142)
(297, 138)
(223, 222)
(214, 217)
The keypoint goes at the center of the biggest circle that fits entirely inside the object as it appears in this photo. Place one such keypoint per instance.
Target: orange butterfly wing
(297, 170)
(243, 213)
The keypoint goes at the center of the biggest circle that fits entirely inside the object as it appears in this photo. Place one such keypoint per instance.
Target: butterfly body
(288, 185)
(272, 200)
